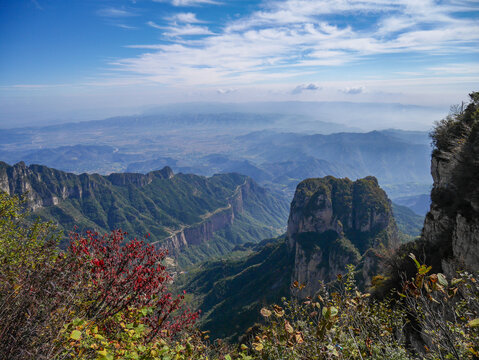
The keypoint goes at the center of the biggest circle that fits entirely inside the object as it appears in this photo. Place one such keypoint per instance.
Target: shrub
(454, 129)
(343, 324)
(445, 313)
(105, 296)
(32, 283)
(348, 324)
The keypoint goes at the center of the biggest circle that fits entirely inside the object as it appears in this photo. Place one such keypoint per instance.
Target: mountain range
(267, 147)
(193, 216)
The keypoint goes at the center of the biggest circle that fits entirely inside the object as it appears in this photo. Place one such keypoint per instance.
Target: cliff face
(45, 186)
(452, 224)
(178, 211)
(333, 222)
(203, 232)
(200, 233)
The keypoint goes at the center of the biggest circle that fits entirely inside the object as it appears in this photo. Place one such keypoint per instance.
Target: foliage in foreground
(105, 297)
(435, 318)
(341, 324)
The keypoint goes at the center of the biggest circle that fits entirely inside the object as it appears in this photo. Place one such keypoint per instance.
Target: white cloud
(192, 2)
(124, 26)
(189, 2)
(456, 69)
(115, 13)
(226, 91)
(187, 30)
(181, 30)
(154, 25)
(300, 88)
(297, 38)
(353, 90)
(185, 18)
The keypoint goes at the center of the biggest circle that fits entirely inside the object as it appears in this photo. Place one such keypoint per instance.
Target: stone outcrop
(452, 224)
(43, 186)
(199, 233)
(332, 223)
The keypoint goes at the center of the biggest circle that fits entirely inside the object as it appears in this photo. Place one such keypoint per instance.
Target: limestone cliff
(45, 186)
(178, 211)
(333, 222)
(452, 224)
(204, 231)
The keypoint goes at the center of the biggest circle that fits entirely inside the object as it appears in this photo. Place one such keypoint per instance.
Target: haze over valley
(276, 150)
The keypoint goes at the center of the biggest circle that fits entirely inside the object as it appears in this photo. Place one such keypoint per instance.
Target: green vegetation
(107, 297)
(77, 305)
(231, 291)
(408, 222)
(457, 138)
(103, 298)
(326, 243)
(455, 128)
(158, 204)
(344, 323)
(360, 209)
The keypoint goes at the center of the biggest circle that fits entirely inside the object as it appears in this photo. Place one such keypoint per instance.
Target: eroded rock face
(45, 187)
(203, 232)
(199, 233)
(453, 220)
(465, 242)
(332, 223)
(41, 185)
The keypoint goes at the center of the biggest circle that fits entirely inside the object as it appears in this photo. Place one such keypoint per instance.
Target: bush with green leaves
(338, 324)
(344, 323)
(32, 284)
(453, 131)
(445, 313)
(104, 297)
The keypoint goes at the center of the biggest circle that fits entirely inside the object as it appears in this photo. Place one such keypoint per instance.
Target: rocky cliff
(44, 186)
(333, 222)
(204, 231)
(452, 224)
(179, 211)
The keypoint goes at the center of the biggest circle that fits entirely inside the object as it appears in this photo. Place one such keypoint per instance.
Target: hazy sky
(92, 58)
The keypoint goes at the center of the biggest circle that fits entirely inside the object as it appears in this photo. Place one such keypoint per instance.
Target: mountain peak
(165, 173)
(333, 222)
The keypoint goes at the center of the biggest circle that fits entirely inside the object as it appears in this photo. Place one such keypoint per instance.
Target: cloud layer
(297, 38)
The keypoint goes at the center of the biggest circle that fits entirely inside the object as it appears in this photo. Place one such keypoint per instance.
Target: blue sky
(94, 57)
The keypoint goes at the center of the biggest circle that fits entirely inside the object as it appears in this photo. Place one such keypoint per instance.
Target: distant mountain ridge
(420, 204)
(194, 216)
(276, 150)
